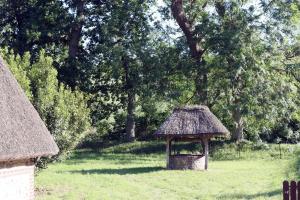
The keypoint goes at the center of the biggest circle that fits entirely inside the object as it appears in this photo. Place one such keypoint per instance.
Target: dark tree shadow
(116, 158)
(121, 171)
(250, 196)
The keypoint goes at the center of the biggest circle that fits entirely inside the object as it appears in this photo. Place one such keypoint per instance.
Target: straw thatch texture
(194, 121)
(22, 132)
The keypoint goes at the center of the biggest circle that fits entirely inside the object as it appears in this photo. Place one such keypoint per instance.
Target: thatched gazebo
(24, 138)
(190, 123)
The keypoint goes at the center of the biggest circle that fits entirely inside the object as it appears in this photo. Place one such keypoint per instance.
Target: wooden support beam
(187, 139)
(205, 141)
(168, 151)
(170, 147)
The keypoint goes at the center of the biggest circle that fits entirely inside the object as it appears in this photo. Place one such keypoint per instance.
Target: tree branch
(187, 28)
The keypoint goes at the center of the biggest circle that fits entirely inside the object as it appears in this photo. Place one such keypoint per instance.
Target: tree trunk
(196, 50)
(70, 72)
(75, 34)
(130, 121)
(238, 124)
(201, 84)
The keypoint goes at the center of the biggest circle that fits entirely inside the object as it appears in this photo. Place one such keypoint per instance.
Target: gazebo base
(195, 162)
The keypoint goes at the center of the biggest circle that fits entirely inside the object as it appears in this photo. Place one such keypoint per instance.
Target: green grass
(136, 171)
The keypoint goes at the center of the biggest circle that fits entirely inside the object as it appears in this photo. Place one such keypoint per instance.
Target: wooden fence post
(298, 189)
(168, 151)
(286, 190)
(293, 189)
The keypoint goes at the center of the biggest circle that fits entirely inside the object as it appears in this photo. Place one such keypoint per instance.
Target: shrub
(64, 111)
(261, 146)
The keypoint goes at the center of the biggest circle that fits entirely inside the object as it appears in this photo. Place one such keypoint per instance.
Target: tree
(76, 28)
(236, 36)
(198, 21)
(119, 54)
(247, 59)
(72, 67)
(33, 25)
(194, 39)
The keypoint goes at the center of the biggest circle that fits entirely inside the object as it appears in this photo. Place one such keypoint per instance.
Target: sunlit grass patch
(124, 172)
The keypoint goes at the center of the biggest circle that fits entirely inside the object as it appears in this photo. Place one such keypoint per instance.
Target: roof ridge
(191, 107)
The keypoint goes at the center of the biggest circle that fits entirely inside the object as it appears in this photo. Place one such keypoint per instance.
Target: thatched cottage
(190, 123)
(23, 139)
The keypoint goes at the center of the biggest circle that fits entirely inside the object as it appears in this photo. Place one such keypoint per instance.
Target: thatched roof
(23, 134)
(193, 121)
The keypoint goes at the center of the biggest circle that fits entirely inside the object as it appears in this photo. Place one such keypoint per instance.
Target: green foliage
(64, 111)
(72, 118)
(34, 25)
(250, 53)
(44, 84)
(19, 66)
(247, 84)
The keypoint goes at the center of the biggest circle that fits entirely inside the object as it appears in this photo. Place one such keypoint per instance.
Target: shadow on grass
(251, 196)
(113, 158)
(121, 171)
(129, 153)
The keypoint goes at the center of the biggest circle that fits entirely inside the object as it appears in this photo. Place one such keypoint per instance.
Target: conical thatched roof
(194, 121)
(22, 132)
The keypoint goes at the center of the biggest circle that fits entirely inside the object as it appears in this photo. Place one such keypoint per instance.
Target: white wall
(17, 183)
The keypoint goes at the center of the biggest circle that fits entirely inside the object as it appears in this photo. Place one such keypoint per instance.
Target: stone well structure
(186, 162)
(23, 139)
(194, 124)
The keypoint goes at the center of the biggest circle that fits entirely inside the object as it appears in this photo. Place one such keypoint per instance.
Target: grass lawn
(111, 174)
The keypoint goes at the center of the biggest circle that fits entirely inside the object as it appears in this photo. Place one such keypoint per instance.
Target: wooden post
(168, 148)
(205, 141)
(293, 189)
(298, 187)
(286, 190)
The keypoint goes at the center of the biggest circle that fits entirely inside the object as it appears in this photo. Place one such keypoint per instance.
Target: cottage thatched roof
(193, 121)
(22, 132)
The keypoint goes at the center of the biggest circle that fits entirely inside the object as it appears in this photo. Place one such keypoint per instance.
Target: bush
(64, 111)
(261, 146)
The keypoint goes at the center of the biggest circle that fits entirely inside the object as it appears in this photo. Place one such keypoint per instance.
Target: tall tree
(197, 20)
(194, 40)
(70, 71)
(244, 52)
(118, 54)
(76, 28)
